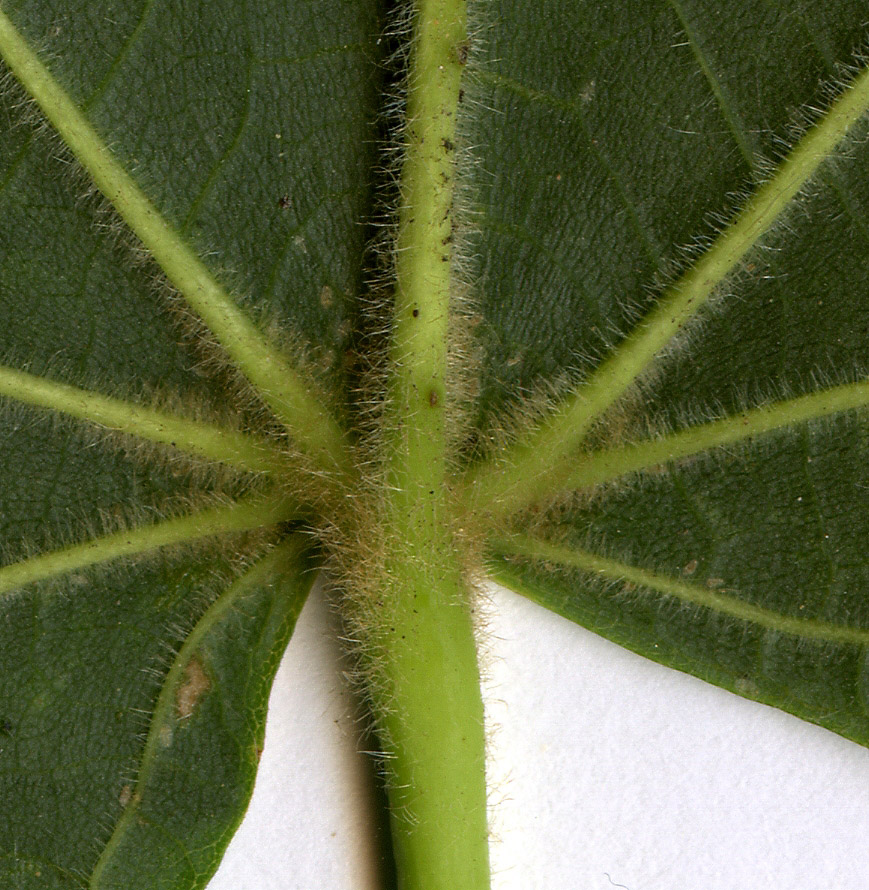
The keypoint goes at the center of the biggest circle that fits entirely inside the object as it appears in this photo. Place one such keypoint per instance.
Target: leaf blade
(194, 102)
(172, 833)
(568, 277)
(280, 384)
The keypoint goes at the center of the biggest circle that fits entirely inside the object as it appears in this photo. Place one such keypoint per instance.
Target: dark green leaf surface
(627, 135)
(89, 770)
(206, 737)
(611, 143)
(250, 130)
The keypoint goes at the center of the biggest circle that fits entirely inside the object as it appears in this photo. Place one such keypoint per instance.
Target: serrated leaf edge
(286, 553)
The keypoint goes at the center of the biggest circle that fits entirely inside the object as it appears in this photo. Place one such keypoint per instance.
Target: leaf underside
(642, 138)
(221, 114)
(610, 144)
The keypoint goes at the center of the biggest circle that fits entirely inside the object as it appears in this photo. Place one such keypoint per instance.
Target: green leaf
(639, 387)
(252, 136)
(724, 526)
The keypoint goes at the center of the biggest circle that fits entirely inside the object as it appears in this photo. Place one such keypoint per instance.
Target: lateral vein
(512, 479)
(723, 603)
(288, 553)
(281, 386)
(197, 438)
(245, 515)
(603, 466)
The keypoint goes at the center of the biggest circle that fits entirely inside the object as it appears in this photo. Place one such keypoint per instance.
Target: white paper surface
(606, 770)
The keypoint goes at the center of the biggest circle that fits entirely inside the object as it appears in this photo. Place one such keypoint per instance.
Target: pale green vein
(283, 561)
(717, 601)
(724, 103)
(603, 466)
(419, 339)
(242, 516)
(281, 386)
(200, 439)
(542, 458)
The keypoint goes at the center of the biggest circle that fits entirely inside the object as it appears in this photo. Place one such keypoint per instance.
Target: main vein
(419, 345)
(245, 515)
(281, 386)
(542, 457)
(200, 439)
(602, 466)
(717, 601)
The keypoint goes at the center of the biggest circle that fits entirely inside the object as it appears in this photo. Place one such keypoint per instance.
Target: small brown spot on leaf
(433, 398)
(126, 795)
(195, 685)
(327, 298)
(690, 567)
(712, 583)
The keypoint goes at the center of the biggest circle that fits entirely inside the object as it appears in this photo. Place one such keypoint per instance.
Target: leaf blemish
(195, 685)
(126, 795)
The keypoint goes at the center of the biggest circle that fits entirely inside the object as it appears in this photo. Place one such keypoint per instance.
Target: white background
(607, 769)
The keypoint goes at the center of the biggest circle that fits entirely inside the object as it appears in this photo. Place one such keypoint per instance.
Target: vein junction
(541, 460)
(540, 463)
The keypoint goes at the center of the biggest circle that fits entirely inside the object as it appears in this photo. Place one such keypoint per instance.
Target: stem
(426, 684)
(426, 692)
